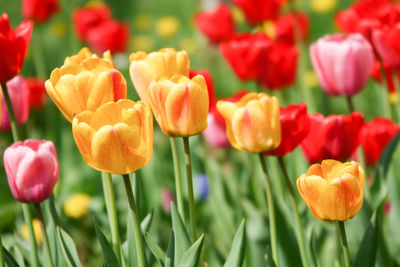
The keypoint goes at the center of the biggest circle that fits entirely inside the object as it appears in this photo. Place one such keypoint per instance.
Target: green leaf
(146, 222)
(18, 256)
(192, 256)
(110, 259)
(169, 259)
(158, 253)
(182, 240)
(236, 255)
(68, 248)
(9, 259)
(366, 254)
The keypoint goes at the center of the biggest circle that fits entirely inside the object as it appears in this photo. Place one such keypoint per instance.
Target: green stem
(300, 234)
(109, 197)
(11, 114)
(40, 64)
(39, 214)
(32, 240)
(344, 243)
(1, 253)
(350, 103)
(271, 212)
(136, 223)
(178, 179)
(192, 213)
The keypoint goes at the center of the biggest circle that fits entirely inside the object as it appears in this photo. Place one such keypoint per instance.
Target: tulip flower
(180, 105)
(84, 83)
(333, 190)
(221, 16)
(295, 125)
(252, 123)
(289, 25)
(258, 11)
(13, 47)
(39, 10)
(117, 137)
(333, 137)
(375, 136)
(32, 169)
(167, 198)
(343, 64)
(19, 96)
(77, 205)
(37, 92)
(386, 42)
(146, 68)
(210, 84)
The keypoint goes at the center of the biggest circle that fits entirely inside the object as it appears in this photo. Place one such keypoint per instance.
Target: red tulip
(32, 169)
(13, 47)
(19, 96)
(247, 54)
(333, 137)
(258, 11)
(375, 136)
(387, 44)
(37, 92)
(217, 24)
(289, 25)
(39, 10)
(295, 125)
(110, 35)
(209, 81)
(88, 17)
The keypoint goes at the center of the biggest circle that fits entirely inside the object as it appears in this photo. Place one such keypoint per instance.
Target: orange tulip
(85, 82)
(333, 190)
(252, 123)
(117, 137)
(180, 105)
(146, 68)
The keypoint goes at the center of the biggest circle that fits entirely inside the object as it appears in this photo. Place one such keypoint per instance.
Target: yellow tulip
(77, 205)
(252, 123)
(84, 54)
(146, 68)
(115, 138)
(85, 82)
(180, 105)
(333, 190)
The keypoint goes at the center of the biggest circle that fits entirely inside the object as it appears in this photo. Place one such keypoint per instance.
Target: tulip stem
(271, 211)
(109, 197)
(1, 254)
(350, 103)
(344, 244)
(136, 223)
(40, 64)
(192, 213)
(39, 214)
(299, 227)
(14, 128)
(178, 181)
(32, 240)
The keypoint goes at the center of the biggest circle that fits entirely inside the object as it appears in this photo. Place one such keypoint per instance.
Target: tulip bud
(333, 190)
(117, 137)
(342, 63)
(252, 123)
(180, 105)
(85, 82)
(146, 68)
(32, 169)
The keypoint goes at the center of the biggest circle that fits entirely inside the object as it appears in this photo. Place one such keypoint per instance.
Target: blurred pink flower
(215, 134)
(167, 198)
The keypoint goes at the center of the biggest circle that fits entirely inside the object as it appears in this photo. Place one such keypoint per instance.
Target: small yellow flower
(167, 26)
(323, 6)
(58, 29)
(238, 15)
(393, 98)
(143, 22)
(142, 42)
(77, 206)
(189, 45)
(310, 79)
(36, 230)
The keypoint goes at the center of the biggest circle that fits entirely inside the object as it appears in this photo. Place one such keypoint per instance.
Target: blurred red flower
(37, 92)
(295, 125)
(289, 25)
(210, 84)
(39, 10)
(13, 47)
(257, 11)
(216, 24)
(88, 17)
(333, 137)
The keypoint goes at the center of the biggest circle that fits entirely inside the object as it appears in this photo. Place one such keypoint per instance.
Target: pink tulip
(215, 134)
(32, 169)
(343, 63)
(19, 95)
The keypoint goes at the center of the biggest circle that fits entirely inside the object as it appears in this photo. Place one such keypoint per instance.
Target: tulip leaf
(110, 260)
(158, 253)
(192, 256)
(19, 258)
(169, 259)
(68, 248)
(182, 240)
(237, 253)
(386, 156)
(9, 259)
(366, 254)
